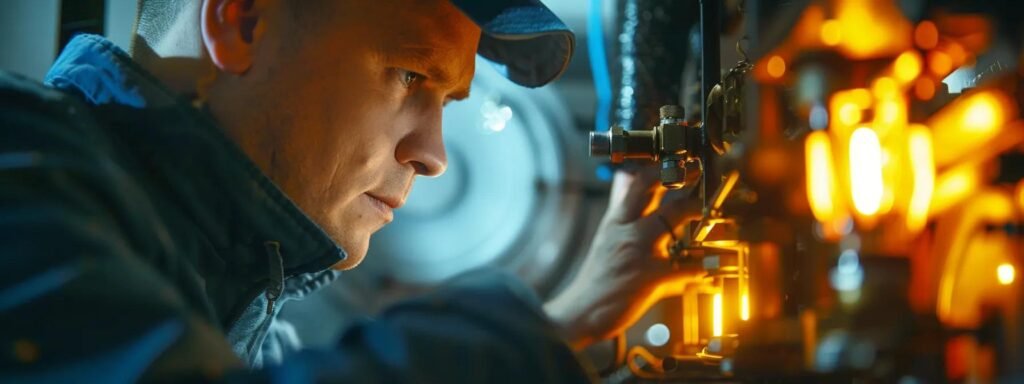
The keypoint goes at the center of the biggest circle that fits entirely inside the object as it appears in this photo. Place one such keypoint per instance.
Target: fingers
(633, 192)
(676, 210)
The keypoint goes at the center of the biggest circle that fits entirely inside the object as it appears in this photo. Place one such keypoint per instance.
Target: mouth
(384, 204)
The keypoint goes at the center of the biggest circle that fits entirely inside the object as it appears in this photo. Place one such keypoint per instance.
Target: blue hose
(599, 66)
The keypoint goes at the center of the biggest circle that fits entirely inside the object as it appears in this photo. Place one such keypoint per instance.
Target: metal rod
(711, 73)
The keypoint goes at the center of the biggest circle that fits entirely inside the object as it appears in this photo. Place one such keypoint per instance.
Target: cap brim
(523, 38)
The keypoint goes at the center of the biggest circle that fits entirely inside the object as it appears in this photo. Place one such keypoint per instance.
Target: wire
(599, 65)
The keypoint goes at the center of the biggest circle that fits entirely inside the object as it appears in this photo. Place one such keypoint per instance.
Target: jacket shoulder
(19, 90)
(38, 118)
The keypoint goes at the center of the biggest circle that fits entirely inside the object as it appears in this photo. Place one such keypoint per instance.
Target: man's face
(342, 105)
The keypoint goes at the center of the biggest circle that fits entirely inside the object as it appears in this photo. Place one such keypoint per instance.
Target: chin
(356, 251)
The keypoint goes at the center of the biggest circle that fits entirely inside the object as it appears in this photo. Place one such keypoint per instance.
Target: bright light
(1005, 272)
(884, 87)
(495, 116)
(889, 112)
(831, 32)
(908, 66)
(922, 166)
(745, 307)
(982, 114)
(776, 66)
(848, 275)
(965, 127)
(954, 185)
(849, 114)
(820, 177)
(658, 335)
(866, 171)
(716, 312)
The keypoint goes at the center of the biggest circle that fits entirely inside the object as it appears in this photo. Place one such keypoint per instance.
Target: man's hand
(624, 272)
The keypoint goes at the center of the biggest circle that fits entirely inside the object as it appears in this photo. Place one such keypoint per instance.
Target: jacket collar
(231, 201)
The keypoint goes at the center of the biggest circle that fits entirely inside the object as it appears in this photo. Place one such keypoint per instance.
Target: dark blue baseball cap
(523, 38)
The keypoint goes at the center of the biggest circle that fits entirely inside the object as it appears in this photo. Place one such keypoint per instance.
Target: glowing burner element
(716, 313)
(908, 66)
(745, 307)
(820, 176)
(831, 32)
(866, 171)
(1006, 273)
(922, 165)
(776, 66)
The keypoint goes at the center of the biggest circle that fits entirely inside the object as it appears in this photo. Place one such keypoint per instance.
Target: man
(157, 210)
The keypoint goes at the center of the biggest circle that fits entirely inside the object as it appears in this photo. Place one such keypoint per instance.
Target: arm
(76, 300)
(625, 272)
(484, 327)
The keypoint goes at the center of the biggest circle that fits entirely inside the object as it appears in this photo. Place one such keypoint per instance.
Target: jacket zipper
(276, 273)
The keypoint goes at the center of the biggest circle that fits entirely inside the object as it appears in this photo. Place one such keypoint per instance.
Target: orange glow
(924, 88)
(716, 315)
(849, 114)
(908, 66)
(820, 177)
(974, 121)
(884, 87)
(969, 256)
(866, 181)
(1020, 195)
(776, 66)
(831, 32)
(983, 114)
(940, 63)
(955, 185)
(655, 202)
(860, 96)
(880, 28)
(956, 52)
(926, 35)
(889, 112)
(1005, 273)
(745, 307)
(922, 166)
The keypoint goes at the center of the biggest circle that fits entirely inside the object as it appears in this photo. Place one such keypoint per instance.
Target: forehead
(430, 32)
(433, 24)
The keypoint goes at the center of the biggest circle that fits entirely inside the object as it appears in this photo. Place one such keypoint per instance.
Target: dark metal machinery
(861, 222)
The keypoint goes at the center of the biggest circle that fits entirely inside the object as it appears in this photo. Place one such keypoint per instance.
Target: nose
(423, 147)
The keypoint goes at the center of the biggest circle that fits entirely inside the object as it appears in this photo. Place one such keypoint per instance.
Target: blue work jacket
(137, 242)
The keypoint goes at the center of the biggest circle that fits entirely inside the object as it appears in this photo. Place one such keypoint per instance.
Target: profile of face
(339, 102)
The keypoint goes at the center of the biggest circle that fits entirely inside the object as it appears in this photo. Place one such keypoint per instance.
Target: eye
(409, 78)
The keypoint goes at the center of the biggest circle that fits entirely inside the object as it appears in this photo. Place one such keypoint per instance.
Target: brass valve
(673, 143)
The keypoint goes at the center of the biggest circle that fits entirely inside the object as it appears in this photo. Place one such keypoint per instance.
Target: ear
(229, 29)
